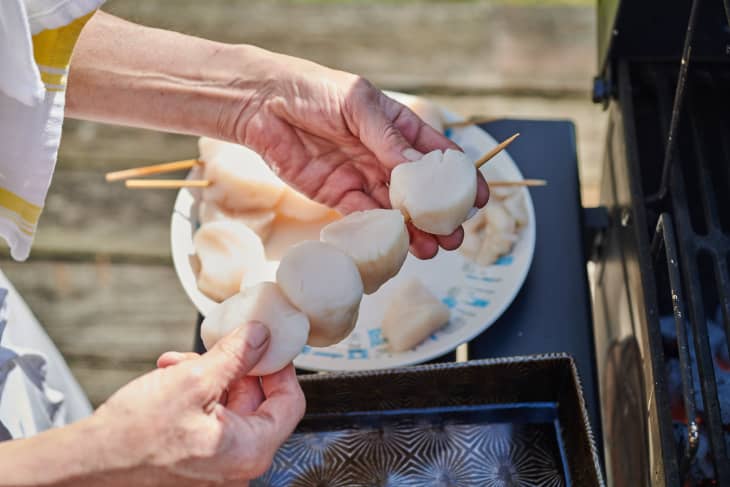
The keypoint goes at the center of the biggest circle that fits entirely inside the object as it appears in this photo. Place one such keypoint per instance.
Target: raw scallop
(265, 303)
(260, 221)
(298, 207)
(411, 315)
(377, 240)
(226, 252)
(240, 179)
(436, 192)
(325, 284)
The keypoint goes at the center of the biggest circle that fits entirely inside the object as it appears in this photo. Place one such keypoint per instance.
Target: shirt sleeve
(31, 118)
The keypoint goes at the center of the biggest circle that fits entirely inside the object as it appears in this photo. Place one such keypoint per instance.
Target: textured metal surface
(418, 453)
(456, 424)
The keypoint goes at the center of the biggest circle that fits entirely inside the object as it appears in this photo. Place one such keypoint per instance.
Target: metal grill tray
(506, 422)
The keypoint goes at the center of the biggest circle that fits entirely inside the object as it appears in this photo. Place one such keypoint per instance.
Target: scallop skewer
(185, 183)
(189, 163)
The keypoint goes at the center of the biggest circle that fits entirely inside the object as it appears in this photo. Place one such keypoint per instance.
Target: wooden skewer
(189, 163)
(166, 167)
(502, 145)
(476, 120)
(165, 183)
(197, 183)
(154, 169)
(523, 183)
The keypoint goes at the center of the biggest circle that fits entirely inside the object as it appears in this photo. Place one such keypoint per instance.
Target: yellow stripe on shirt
(15, 218)
(52, 50)
(53, 79)
(29, 212)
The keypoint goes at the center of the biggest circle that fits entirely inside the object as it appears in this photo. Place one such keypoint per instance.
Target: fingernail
(472, 212)
(412, 154)
(256, 334)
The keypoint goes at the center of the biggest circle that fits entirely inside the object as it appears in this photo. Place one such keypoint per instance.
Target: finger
(429, 139)
(482, 191)
(356, 200)
(453, 241)
(234, 355)
(262, 432)
(284, 405)
(173, 358)
(387, 142)
(423, 245)
(370, 115)
(245, 395)
(421, 135)
(381, 194)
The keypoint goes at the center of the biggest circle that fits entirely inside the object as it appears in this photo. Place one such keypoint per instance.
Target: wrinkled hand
(335, 138)
(200, 419)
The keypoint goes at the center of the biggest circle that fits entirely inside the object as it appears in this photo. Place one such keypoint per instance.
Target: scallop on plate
(476, 295)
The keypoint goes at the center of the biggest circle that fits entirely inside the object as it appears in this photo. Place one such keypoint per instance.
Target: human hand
(335, 137)
(200, 418)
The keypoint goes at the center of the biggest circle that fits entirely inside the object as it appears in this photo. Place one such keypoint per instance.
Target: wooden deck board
(110, 321)
(477, 46)
(85, 216)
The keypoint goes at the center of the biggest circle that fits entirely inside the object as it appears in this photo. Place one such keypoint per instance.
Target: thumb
(236, 354)
(379, 134)
(168, 359)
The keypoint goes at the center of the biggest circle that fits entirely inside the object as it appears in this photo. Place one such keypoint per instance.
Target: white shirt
(36, 40)
(37, 390)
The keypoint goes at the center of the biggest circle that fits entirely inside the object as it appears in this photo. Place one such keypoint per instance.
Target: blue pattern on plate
(449, 301)
(478, 303)
(322, 353)
(504, 260)
(357, 353)
(483, 278)
(376, 337)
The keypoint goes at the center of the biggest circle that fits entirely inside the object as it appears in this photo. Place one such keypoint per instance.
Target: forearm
(56, 457)
(128, 74)
(88, 453)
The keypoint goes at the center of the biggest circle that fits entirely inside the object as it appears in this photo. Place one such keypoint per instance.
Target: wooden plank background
(100, 276)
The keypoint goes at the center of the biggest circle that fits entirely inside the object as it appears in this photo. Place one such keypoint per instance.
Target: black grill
(696, 201)
(676, 231)
(669, 193)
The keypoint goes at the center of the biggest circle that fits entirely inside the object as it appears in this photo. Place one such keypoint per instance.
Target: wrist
(107, 450)
(250, 76)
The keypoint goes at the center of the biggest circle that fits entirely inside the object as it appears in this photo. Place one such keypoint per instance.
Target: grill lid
(655, 30)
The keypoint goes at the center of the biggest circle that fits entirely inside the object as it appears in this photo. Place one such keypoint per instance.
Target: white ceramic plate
(476, 295)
